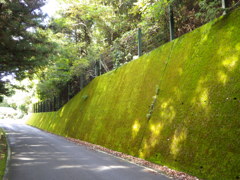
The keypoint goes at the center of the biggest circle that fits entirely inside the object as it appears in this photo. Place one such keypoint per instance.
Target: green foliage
(195, 120)
(23, 48)
(21, 100)
(208, 10)
(81, 32)
(3, 153)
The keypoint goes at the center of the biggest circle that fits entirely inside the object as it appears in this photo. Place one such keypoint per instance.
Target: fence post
(49, 105)
(139, 42)
(171, 22)
(44, 106)
(59, 101)
(40, 107)
(54, 103)
(68, 91)
(81, 82)
(95, 69)
(99, 67)
(225, 4)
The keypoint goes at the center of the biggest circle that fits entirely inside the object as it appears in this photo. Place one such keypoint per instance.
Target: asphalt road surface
(37, 155)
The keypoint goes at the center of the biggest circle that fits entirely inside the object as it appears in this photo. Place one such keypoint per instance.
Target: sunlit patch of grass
(3, 153)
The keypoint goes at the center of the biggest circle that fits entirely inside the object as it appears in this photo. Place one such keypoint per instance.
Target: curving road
(37, 155)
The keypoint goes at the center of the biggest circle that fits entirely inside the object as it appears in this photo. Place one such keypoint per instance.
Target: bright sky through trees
(51, 7)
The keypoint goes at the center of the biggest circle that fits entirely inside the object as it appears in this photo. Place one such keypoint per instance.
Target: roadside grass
(3, 153)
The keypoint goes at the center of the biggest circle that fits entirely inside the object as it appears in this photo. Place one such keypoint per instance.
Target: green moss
(192, 123)
(3, 153)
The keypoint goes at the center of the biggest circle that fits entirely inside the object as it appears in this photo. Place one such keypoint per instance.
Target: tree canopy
(23, 44)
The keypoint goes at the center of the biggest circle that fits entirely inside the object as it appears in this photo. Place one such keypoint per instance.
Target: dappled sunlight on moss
(167, 112)
(135, 128)
(237, 47)
(230, 63)
(180, 71)
(155, 131)
(202, 95)
(62, 111)
(223, 78)
(178, 138)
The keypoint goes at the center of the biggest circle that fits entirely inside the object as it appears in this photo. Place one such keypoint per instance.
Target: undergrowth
(3, 153)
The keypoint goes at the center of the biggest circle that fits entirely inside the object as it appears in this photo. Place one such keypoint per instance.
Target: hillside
(178, 105)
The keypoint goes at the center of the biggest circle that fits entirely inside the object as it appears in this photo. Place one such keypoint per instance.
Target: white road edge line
(131, 162)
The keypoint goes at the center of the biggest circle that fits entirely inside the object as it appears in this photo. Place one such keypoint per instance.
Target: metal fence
(70, 89)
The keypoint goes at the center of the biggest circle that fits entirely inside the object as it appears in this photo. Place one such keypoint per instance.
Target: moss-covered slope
(178, 105)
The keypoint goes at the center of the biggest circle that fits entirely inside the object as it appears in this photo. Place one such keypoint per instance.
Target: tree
(23, 46)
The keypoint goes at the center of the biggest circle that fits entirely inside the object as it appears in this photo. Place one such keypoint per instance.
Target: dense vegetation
(24, 47)
(3, 153)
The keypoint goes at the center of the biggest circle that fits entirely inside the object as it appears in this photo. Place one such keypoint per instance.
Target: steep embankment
(178, 105)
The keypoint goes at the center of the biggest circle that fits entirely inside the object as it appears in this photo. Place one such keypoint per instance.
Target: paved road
(36, 155)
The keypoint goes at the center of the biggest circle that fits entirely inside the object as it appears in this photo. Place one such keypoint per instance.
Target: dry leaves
(162, 169)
